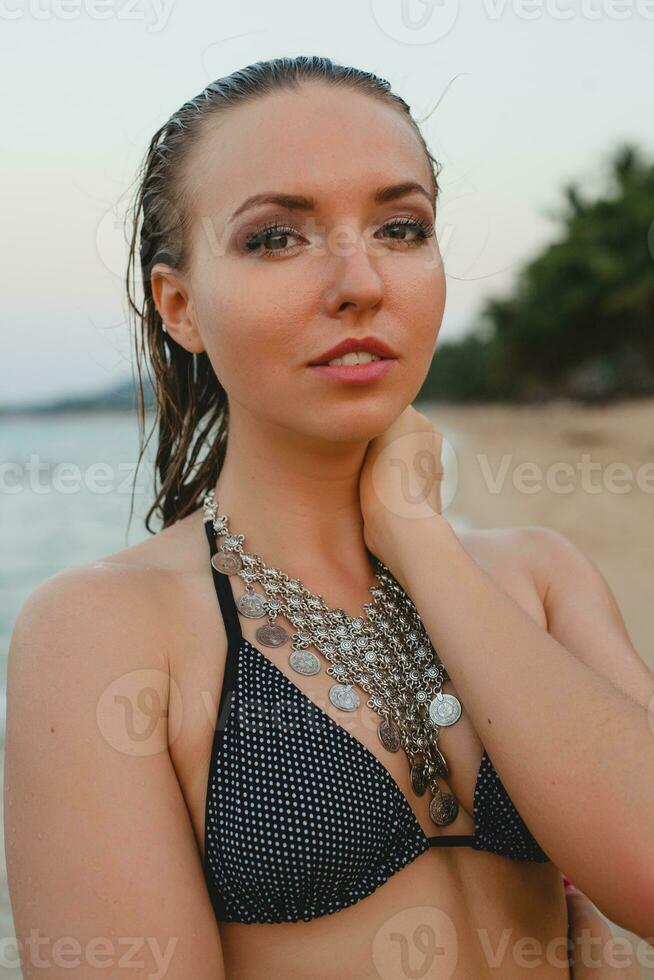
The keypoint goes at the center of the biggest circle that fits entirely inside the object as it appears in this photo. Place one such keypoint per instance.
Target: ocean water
(65, 498)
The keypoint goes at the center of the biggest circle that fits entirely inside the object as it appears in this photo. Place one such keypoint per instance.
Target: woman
(288, 208)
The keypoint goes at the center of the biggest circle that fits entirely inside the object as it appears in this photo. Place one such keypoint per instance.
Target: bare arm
(104, 870)
(598, 953)
(582, 612)
(574, 751)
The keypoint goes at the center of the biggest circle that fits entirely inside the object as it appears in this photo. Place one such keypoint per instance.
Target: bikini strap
(225, 596)
(234, 638)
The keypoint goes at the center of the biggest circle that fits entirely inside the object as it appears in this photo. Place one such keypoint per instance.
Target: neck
(296, 500)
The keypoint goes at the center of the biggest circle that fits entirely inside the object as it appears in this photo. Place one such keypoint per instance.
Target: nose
(355, 283)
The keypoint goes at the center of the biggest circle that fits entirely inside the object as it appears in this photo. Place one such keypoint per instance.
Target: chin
(348, 424)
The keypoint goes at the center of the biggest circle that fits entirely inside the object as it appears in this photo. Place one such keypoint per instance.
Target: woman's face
(266, 304)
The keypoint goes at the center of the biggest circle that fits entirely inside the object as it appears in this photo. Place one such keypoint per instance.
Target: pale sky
(545, 91)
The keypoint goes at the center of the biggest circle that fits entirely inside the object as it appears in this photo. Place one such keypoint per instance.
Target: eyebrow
(298, 202)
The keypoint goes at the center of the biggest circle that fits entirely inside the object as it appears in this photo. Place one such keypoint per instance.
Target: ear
(171, 297)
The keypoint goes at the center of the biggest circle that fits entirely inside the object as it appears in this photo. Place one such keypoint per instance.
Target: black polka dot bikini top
(301, 818)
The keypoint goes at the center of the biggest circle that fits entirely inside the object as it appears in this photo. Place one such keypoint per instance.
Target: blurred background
(543, 377)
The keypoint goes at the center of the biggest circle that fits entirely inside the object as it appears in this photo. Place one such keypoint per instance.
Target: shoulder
(510, 550)
(113, 610)
(503, 554)
(77, 634)
(535, 551)
(89, 662)
(558, 565)
(581, 611)
(181, 547)
(131, 587)
(544, 550)
(121, 619)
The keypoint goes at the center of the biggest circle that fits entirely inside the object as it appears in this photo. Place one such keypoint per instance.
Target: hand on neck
(297, 503)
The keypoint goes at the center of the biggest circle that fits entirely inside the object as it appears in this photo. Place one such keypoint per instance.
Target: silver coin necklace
(387, 654)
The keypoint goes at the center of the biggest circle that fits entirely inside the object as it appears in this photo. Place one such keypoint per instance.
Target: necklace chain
(387, 654)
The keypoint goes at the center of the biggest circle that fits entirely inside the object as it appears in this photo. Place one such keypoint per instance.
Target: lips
(356, 374)
(373, 345)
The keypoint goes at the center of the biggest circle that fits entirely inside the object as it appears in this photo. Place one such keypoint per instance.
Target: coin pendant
(444, 709)
(252, 605)
(418, 779)
(271, 635)
(440, 764)
(389, 734)
(227, 562)
(304, 662)
(443, 809)
(344, 696)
